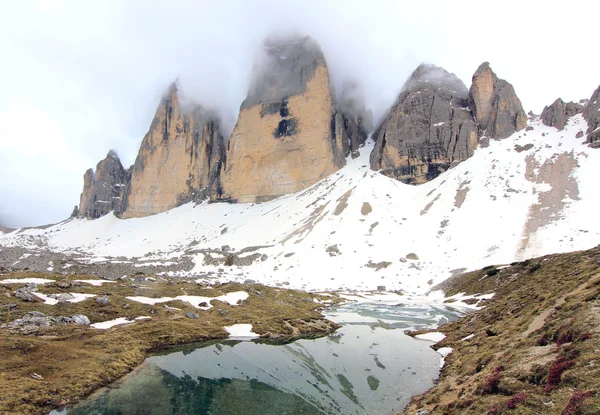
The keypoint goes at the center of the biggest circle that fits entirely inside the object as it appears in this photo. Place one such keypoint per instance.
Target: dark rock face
(428, 129)
(591, 113)
(102, 189)
(352, 123)
(557, 114)
(495, 105)
(286, 69)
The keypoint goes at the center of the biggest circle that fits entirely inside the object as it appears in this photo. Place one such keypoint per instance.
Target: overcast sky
(79, 77)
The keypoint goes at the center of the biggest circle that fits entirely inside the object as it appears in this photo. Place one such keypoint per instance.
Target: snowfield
(531, 194)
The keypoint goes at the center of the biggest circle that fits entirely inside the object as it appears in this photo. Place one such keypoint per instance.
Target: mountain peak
(495, 104)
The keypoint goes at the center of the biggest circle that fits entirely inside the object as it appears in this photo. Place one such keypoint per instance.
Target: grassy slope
(76, 360)
(545, 314)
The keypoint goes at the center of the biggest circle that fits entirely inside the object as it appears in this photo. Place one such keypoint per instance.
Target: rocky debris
(179, 159)
(289, 121)
(25, 294)
(591, 113)
(333, 250)
(378, 265)
(520, 148)
(34, 322)
(102, 189)
(63, 297)
(18, 258)
(495, 105)
(412, 256)
(191, 315)
(557, 114)
(104, 300)
(428, 129)
(228, 258)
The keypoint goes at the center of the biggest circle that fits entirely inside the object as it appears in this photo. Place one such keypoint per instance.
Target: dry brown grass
(565, 288)
(76, 360)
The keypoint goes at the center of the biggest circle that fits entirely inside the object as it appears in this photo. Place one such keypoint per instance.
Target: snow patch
(241, 332)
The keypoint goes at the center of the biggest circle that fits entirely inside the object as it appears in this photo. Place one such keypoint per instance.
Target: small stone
(203, 304)
(422, 412)
(381, 288)
(153, 311)
(7, 295)
(598, 261)
(80, 319)
(579, 134)
(249, 281)
(412, 256)
(529, 128)
(103, 300)
(63, 285)
(126, 306)
(189, 314)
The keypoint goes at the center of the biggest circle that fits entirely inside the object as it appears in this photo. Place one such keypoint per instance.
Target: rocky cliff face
(289, 133)
(557, 114)
(591, 113)
(427, 130)
(496, 107)
(179, 159)
(102, 188)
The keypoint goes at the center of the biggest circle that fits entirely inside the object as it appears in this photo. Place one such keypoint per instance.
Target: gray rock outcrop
(495, 105)
(102, 188)
(591, 113)
(557, 114)
(428, 129)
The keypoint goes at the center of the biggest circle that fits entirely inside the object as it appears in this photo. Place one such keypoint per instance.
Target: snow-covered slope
(354, 229)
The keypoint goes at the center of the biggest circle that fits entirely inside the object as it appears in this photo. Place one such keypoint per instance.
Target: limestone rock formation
(289, 133)
(591, 113)
(357, 120)
(179, 159)
(496, 107)
(102, 188)
(427, 130)
(557, 114)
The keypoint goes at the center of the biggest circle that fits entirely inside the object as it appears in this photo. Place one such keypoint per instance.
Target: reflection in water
(368, 366)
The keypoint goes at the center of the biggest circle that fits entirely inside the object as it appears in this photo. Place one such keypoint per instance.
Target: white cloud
(92, 73)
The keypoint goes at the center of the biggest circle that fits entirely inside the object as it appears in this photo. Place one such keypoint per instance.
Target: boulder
(495, 105)
(104, 300)
(25, 294)
(80, 319)
(428, 129)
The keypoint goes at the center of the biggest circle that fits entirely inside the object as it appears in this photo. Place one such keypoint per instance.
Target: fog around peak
(80, 78)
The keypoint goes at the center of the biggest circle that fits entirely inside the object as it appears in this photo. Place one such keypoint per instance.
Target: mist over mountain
(86, 78)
